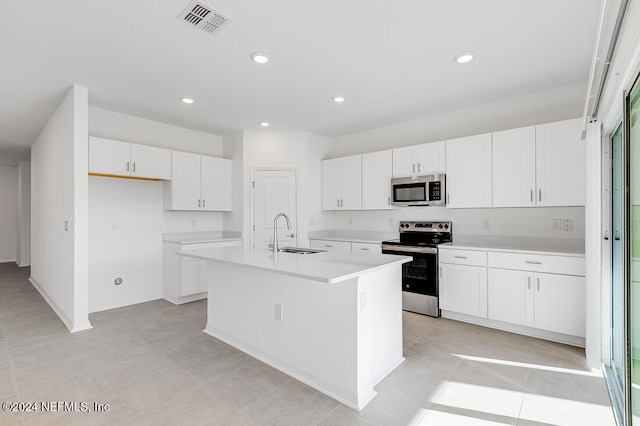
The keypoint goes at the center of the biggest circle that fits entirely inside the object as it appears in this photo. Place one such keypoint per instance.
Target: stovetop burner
(422, 234)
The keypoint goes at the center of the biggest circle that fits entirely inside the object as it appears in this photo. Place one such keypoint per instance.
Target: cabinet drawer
(366, 247)
(463, 257)
(331, 245)
(538, 263)
(212, 244)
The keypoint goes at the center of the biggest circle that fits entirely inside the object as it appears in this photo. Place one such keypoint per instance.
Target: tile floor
(153, 365)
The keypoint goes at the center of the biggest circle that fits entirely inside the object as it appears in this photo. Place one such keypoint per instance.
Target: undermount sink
(300, 250)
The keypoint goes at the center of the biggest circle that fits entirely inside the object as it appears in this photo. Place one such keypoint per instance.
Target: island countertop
(328, 267)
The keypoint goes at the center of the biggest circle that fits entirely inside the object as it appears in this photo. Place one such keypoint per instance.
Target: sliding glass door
(632, 243)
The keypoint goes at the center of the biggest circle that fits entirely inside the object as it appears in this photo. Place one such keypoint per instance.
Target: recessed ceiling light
(187, 100)
(463, 57)
(338, 99)
(264, 123)
(260, 57)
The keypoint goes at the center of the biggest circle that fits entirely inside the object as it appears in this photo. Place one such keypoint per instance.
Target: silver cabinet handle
(533, 262)
(338, 202)
(538, 279)
(414, 168)
(460, 257)
(440, 272)
(529, 283)
(127, 166)
(389, 201)
(203, 201)
(418, 167)
(341, 203)
(448, 198)
(364, 248)
(134, 168)
(531, 195)
(539, 194)
(199, 203)
(328, 245)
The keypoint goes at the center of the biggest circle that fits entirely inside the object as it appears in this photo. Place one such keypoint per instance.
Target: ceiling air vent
(203, 17)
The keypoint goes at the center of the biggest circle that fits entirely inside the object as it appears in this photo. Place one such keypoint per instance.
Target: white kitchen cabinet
(542, 291)
(199, 182)
(342, 183)
(560, 164)
(468, 166)
(366, 247)
(330, 245)
(185, 278)
(116, 158)
(463, 289)
(376, 180)
(423, 159)
(511, 296)
(514, 167)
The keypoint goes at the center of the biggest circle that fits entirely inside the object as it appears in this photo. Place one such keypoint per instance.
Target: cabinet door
(560, 303)
(109, 157)
(514, 167)
(331, 181)
(193, 276)
(150, 162)
(561, 164)
(215, 178)
(463, 289)
(404, 162)
(376, 180)
(469, 171)
(185, 181)
(330, 245)
(431, 158)
(511, 296)
(351, 183)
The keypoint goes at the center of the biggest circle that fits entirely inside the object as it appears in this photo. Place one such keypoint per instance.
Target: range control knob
(446, 227)
(440, 226)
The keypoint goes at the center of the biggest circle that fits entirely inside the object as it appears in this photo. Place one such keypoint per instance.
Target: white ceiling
(392, 60)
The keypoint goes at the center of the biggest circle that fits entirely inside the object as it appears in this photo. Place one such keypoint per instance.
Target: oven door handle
(408, 249)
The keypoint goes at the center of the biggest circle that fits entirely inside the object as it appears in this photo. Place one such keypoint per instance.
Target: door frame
(252, 189)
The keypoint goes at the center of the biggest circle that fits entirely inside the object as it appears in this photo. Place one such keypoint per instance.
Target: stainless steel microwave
(427, 190)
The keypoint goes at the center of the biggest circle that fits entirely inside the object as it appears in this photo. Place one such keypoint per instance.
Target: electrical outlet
(350, 221)
(279, 314)
(486, 223)
(390, 223)
(115, 225)
(312, 222)
(556, 224)
(567, 225)
(194, 223)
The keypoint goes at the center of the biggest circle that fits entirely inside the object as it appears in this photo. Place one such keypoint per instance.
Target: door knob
(291, 235)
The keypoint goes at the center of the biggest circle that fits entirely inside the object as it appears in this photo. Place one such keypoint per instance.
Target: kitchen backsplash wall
(525, 222)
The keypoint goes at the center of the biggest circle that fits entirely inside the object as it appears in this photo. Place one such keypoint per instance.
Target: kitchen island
(331, 320)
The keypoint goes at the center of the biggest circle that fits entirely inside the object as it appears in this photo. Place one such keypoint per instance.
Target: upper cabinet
(560, 164)
(539, 166)
(468, 166)
(342, 183)
(514, 168)
(376, 180)
(424, 159)
(199, 182)
(117, 158)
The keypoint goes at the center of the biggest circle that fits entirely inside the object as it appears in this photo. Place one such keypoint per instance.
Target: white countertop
(329, 267)
(201, 237)
(550, 246)
(353, 236)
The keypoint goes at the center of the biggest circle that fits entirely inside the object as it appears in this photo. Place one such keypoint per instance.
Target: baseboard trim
(71, 326)
(94, 309)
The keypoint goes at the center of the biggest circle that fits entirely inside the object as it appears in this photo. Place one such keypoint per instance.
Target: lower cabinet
(540, 291)
(185, 278)
(345, 246)
(463, 289)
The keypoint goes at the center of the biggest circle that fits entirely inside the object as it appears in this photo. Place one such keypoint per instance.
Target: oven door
(421, 274)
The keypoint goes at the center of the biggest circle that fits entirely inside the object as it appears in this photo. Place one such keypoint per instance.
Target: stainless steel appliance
(420, 276)
(427, 190)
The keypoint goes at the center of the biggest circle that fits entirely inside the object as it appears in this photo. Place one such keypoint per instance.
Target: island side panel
(379, 326)
(316, 340)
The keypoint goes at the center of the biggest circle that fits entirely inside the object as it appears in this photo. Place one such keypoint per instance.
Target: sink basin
(300, 250)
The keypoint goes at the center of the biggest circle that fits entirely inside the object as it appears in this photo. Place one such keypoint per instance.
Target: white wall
(59, 220)
(8, 213)
(287, 150)
(505, 114)
(23, 239)
(126, 216)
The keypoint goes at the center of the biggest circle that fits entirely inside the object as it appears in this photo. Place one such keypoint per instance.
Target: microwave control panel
(434, 191)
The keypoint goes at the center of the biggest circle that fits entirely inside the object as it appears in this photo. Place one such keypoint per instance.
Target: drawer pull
(363, 248)
(538, 279)
(529, 283)
(460, 257)
(533, 262)
(328, 245)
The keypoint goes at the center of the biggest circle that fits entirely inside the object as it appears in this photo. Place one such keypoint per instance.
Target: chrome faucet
(275, 230)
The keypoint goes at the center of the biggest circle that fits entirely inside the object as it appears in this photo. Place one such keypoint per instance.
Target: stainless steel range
(420, 276)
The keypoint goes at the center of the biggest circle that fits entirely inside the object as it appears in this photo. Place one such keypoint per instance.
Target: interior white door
(275, 191)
